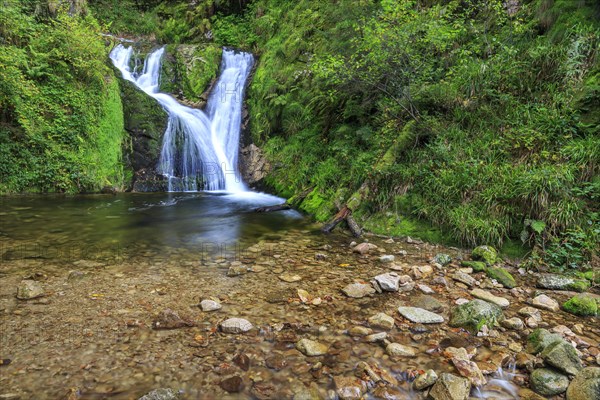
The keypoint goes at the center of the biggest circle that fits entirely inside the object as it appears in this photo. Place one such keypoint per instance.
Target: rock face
(420, 315)
(475, 314)
(450, 387)
(388, 282)
(311, 348)
(236, 325)
(548, 382)
(145, 122)
(29, 289)
(490, 298)
(559, 282)
(358, 290)
(487, 254)
(586, 385)
(254, 165)
(562, 356)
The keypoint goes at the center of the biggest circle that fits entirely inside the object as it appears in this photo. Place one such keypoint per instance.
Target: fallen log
(276, 207)
(339, 217)
(353, 226)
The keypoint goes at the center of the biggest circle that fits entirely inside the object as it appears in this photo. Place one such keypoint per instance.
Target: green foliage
(60, 114)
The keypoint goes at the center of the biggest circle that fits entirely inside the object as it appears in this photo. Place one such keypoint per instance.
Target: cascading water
(200, 149)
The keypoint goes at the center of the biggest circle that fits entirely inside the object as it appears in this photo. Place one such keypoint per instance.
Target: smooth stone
(233, 384)
(236, 325)
(381, 321)
(388, 258)
(450, 387)
(548, 382)
(420, 315)
(276, 362)
(544, 302)
(29, 289)
(464, 278)
(388, 282)
(349, 388)
(358, 290)
(311, 348)
(399, 350)
(442, 259)
(426, 302)
(513, 323)
(425, 380)
(363, 248)
(376, 337)
(210, 305)
(358, 331)
(425, 289)
(586, 385)
(490, 298)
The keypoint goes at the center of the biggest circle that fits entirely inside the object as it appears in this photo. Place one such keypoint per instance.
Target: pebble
(381, 321)
(311, 348)
(358, 331)
(376, 337)
(358, 290)
(399, 350)
(210, 305)
(289, 278)
(236, 325)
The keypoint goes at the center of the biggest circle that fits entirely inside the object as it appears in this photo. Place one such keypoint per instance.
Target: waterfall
(200, 149)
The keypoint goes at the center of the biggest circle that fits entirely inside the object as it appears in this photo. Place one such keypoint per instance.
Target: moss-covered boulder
(586, 385)
(442, 259)
(476, 314)
(502, 276)
(477, 266)
(145, 122)
(562, 356)
(548, 382)
(541, 338)
(561, 282)
(581, 304)
(487, 254)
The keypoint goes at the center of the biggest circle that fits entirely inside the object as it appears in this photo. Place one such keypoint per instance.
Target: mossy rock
(477, 266)
(578, 286)
(581, 304)
(476, 314)
(561, 282)
(549, 382)
(541, 338)
(442, 259)
(502, 276)
(592, 276)
(487, 254)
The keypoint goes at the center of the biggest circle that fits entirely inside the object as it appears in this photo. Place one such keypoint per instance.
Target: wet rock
(429, 303)
(236, 325)
(548, 382)
(161, 394)
(525, 360)
(237, 270)
(477, 266)
(320, 256)
(450, 387)
(169, 319)
(388, 258)
(586, 385)
(540, 338)
(276, 362)
(425, 289)
(456, 353)
(560, 282)
(487, 254)
(376, 337)
(359, 331)
(76, 276)
(528, 394)
(233, 384)
(29, 289)
(399, 350)
(463, 278)
(544, 302)
(425, 380)
(531, 312)
(289, 278)
(513, 323)
(381, 321)
(389, 282)
(442, 259)
(469, 370)
(581, 304)
(476, 314)
(242, 361)
(311, 348)
(279, 296)
(301, 392)
(490, 298)
(422, 271)
(210, 305)
(502, 276)
(349, 388)
(420, 315)
(358, 290)
(364, 248)
(562, 356)
(263, 391)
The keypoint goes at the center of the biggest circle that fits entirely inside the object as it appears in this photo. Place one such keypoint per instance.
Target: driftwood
(277, 207)
(345, 214)
(353, 226)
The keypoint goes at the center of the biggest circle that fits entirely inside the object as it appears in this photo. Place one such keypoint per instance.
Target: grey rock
(210, 305)
(450, 387)
(420, 315)
(388, 258)
(490, 298)
(236, 325)
(389, 282)
(562, 356)
(442, 259)
(476, 314)
(544, 302)
(586, 385)
(548, 382)
(560, 282)
(358, 290)
(464, 278)
(540, 339)
(364, 248)
(425, 380)
(161, 394)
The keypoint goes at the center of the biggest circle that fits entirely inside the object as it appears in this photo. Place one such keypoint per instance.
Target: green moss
(487, 254)
(318, 205)
(578, 286)
(478, 266)
(502, 276)
(581, 304)
(541, 338)
(592, 276)
(514, 249)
